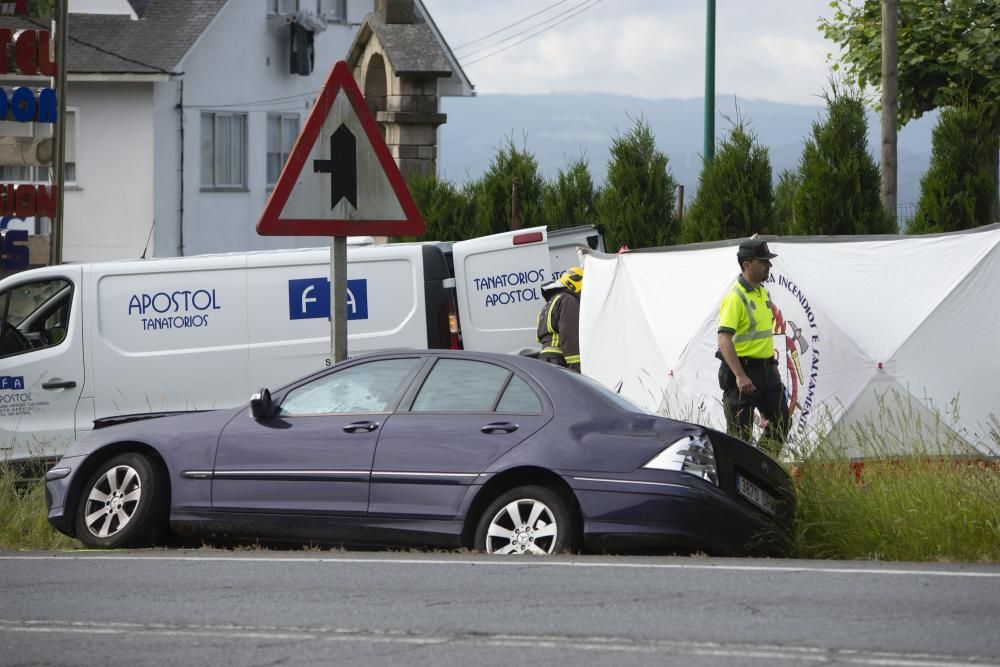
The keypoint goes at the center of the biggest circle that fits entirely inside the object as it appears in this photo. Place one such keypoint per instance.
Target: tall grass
(23, 518)
(899, 485)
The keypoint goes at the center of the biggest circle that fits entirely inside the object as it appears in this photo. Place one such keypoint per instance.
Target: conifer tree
(957, 191)
(784, 200)
(492, 193)
(734, 197)
(448, 211)
(636, 205)
(570, 198)
(839, 181)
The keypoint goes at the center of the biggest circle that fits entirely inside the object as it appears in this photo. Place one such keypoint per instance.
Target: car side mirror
(260, 404)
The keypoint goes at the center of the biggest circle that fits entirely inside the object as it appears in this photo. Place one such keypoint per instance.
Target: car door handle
(503, 427)
(59, 384)
(366, 426)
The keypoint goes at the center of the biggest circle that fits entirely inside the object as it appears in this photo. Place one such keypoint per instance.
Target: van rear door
(498, 289)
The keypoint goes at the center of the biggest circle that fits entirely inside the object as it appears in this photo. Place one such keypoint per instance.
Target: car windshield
(614, 397)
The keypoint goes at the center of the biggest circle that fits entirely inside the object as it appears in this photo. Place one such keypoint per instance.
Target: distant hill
(560, 127)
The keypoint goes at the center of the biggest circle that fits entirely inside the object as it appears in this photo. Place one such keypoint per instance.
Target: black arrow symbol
(342, 167)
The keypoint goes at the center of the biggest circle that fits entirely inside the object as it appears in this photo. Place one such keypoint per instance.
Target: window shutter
(70, 120)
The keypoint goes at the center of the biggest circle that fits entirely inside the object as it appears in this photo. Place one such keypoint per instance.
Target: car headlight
(692, 454)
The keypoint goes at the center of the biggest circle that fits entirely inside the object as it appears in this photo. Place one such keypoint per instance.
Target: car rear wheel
(123, 504)
(526, 520)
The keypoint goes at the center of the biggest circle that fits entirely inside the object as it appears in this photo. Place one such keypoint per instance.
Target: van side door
(41, 362)
(498, 282)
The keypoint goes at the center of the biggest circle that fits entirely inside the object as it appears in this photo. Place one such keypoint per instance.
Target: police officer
(559, 321)
(749, 375)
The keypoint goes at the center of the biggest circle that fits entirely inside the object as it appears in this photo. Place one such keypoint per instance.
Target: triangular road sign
(340, 179)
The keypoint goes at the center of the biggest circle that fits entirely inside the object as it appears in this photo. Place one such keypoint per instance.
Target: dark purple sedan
(504, 454)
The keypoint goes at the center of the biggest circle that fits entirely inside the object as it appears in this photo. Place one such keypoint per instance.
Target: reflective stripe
(548, 315)
(573, 359)
(553, 347)
(756, 335)
(753, 334)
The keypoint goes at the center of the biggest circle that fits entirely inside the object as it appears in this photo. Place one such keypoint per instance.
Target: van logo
(12, 382)
(309, 298)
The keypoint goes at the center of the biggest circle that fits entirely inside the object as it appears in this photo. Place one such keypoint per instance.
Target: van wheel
(527, 520)
(123, 504)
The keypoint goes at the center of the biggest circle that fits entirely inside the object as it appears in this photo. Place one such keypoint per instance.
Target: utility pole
(890, 104)
(709, 152)
(61, 29)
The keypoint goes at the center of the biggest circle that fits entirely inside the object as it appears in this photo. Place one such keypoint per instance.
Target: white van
(86, 342)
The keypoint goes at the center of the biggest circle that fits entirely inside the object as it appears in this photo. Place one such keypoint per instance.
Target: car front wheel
(123, 504)
(526, 520)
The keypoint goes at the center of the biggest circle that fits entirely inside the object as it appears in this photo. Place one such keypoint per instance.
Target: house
(181, 114)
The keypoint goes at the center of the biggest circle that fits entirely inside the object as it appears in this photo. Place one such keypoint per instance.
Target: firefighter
(559, 320)
(748, 375)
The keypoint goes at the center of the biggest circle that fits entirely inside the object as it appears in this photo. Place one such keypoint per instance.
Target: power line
(101, 49)
(535, 34)
(506, 27)
(529, 29)
(264, 102)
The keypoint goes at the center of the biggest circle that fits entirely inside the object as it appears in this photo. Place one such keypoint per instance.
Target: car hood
(160, 431)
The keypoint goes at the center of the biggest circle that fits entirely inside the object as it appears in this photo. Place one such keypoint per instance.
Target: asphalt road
(207, 607)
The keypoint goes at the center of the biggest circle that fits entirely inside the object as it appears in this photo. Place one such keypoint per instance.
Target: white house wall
(166, 239)
(109, 210)
(241, 60)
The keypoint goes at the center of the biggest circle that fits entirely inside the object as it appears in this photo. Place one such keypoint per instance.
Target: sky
(765, 49)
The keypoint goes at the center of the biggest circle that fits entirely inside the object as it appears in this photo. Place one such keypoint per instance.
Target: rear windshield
(617, 399)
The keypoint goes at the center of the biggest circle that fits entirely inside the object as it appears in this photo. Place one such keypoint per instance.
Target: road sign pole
(338, 298)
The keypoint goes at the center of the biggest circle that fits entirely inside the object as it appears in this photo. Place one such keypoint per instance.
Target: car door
(41, 364)
(315, 455)
(465, 415)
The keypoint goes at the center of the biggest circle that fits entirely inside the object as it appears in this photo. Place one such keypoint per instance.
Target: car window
(368, 387)
(34, 316)
(461, 385)
(518, 398)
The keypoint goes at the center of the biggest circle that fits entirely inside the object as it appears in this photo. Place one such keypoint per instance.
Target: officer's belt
(750, 362)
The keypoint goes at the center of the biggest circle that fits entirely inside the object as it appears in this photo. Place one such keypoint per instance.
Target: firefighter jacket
(559, 329)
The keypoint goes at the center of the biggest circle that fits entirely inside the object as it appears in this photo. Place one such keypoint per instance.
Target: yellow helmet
(572, 279)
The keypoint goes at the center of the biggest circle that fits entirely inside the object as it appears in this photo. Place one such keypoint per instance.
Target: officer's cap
(754, 248)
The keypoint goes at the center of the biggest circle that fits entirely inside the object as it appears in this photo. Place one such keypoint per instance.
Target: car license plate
(756, 495)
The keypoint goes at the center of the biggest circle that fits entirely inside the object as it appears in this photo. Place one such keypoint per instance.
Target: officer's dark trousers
(769, 399)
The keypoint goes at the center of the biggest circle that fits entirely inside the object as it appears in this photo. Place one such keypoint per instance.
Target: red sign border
(272, 224)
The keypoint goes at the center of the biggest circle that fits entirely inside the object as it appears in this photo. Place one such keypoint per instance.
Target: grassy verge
(899, 486)
(23, 520)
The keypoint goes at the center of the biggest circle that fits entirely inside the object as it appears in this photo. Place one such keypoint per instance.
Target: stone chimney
(396, 11)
